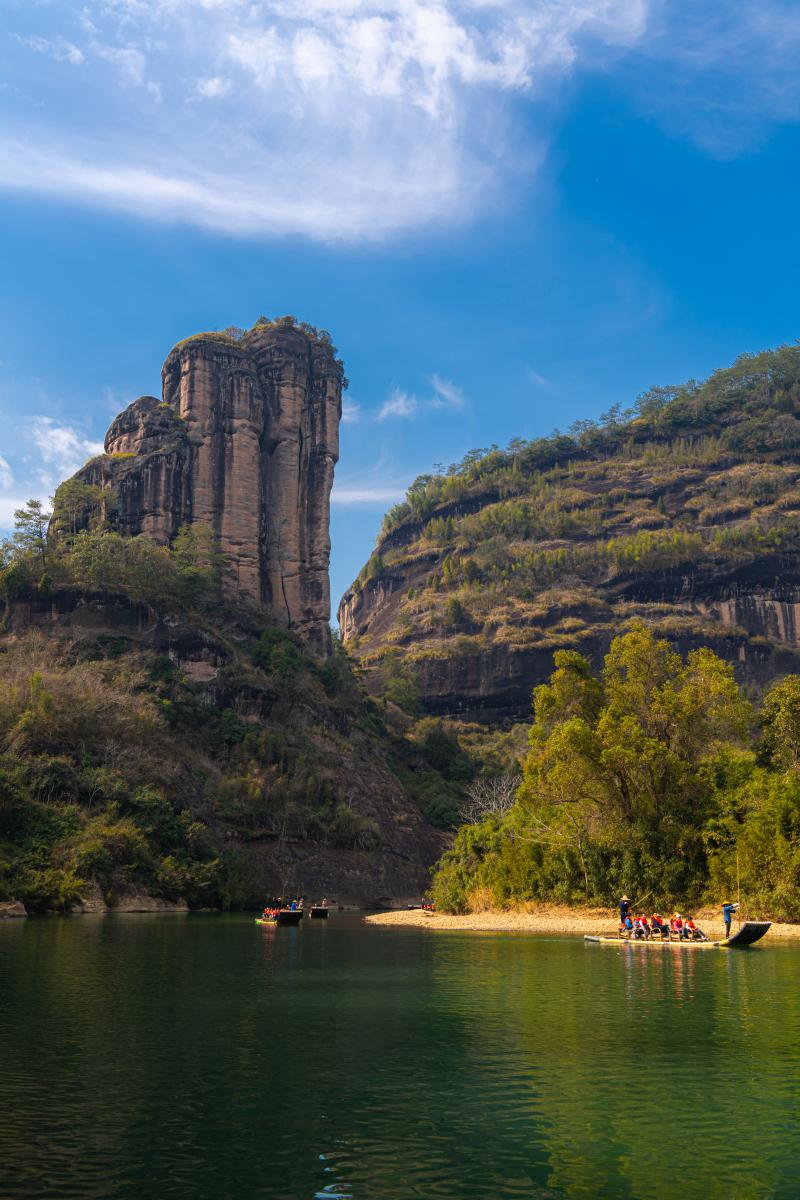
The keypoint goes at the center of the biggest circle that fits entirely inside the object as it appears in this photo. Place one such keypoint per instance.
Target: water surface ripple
(208, 1058)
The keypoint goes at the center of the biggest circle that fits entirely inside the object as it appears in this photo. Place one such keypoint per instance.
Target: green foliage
(73, 506)
(400, 684)
(88, 793)
(101, 560)
(780, 724)
(278, 655)
(30, 531)
(454, 613)
(640, 780)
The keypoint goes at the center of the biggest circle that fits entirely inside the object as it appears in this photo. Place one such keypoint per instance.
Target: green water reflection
(207, 1057)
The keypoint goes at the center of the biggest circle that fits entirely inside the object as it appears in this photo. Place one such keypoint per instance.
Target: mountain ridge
(684, 510)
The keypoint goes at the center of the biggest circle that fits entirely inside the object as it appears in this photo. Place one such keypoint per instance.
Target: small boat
(319, 912)
(284, 916)
(749, 932)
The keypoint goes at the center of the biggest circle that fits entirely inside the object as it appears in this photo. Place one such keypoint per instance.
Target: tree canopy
(644, 777)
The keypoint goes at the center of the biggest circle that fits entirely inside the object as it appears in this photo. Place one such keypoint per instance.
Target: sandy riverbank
(546, 919)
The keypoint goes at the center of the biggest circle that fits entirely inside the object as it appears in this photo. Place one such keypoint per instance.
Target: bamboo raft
(748, 933)
(286, 916)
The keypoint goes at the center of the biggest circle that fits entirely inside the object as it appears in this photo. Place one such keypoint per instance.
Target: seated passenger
(676, 925)
(659, 925)
(642, 929)
(693, 933)
(627, 926)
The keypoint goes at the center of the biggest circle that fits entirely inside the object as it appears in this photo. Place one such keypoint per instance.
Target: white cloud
(351, 412)
(362, 118)
(212, 88)
(346, 496)
(7, 509)
(446, 394)
(57, 48)
(130, 63)
(728, 71)
(540, 380)
(330, 118)
(6, 475)
(405, 405)
(400, 404)
(61, 450)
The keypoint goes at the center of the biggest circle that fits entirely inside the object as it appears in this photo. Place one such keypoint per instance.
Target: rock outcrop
(244, 440)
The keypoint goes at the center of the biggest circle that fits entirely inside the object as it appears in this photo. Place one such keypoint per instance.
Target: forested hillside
(158, 742)
(683, 510)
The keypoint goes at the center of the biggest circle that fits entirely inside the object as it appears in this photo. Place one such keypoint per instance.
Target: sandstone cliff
(244, 440)
(684, 512)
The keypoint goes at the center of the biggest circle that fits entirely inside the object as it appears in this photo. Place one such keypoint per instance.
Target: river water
(206, 1057)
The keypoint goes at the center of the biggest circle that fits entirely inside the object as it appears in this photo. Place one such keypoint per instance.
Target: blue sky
(508, 214)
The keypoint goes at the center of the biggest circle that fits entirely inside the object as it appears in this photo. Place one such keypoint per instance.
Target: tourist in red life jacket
(693, 932)
(658, 924)
(642, 928)
(676, 925)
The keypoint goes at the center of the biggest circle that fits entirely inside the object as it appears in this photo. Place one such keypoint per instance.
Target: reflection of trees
(638, 1062)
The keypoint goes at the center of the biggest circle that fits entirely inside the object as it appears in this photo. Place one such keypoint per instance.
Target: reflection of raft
(319, 912)
(286, 916)
(749, 932)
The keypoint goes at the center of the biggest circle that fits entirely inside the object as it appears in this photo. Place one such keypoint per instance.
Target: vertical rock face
(244, 440)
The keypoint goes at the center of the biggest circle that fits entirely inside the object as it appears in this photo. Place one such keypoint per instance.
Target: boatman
(727, 912)
(624, 907)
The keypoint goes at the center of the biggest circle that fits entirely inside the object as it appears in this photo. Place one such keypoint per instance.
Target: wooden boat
(284, 916)
(749, 932)
(319, 912)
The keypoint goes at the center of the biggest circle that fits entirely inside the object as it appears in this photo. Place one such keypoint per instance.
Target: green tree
(30, 531)
(621, 779)
(780, 722)
(72, 504)
(196, 553)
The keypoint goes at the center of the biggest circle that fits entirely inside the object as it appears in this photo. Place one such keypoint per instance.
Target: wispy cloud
(345, 495)
(6, 474)
(728, 72)
(57, 48)
(351, 412)
(445, 394)
(399, 404)
(331, 118)
(537, 378)
(60, 450)
(359, 118)
(405, 405)
(8, 506)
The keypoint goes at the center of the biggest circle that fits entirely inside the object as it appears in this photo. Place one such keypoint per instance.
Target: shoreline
(546, 919)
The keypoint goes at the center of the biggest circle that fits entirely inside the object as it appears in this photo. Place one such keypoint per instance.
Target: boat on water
(283, 916)
(748, 933)
(318, 912)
